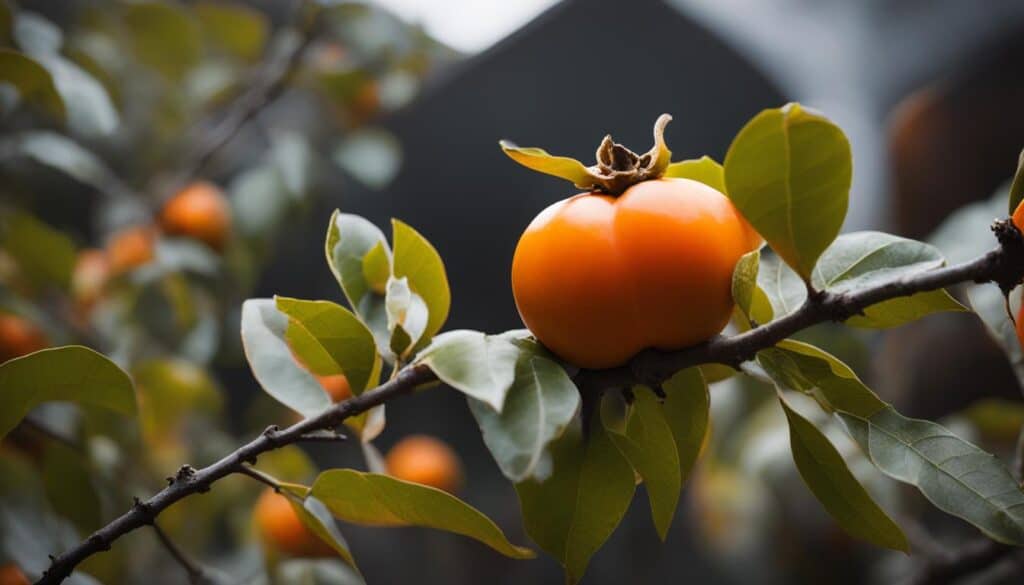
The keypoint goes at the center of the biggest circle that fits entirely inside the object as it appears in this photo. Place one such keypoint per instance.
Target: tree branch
(1003, 266)
(196, 574)
(970, 559)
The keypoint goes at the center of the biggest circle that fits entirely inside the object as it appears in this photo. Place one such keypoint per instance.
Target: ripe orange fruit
(1018, 216)
(281, 528)
(1020, 325)
(199, 211)
(598, 278)
(92, 270)
(425, 460)
(130, 248)
(337, 387)
(10, 574)
(19, 336)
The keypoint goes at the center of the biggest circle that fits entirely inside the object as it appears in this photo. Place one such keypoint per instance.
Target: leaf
(59, 152)
(407, 315)
(686, 408)
(538, 407)
(379, 500)
(67, 479)
(90, 112)
(649, 445)
(784, 289)
(263, 338)
(788, 171)
(377, 267)
(990, 305)
(704, 170)
(749, 297)
(828, 477)
(574, 511)
(350, 239)
(71, 373)
(43, 253)
(539, 160)
(34, 83)
(236, 28)
(341, 335)
(317, 519)
(417, 260)
(1017, 186)
(371, 155)
(864, 259)
(481, 366)
(165, 36)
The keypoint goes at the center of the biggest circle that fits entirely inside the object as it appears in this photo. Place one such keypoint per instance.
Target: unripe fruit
(282, 529)
(92, 270)
(19, 336)
(10, 574)
(199, 211)
(337, 387)
(425, 460)
(130, 248)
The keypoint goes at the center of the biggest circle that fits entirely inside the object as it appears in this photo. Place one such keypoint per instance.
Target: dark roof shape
(582, 69)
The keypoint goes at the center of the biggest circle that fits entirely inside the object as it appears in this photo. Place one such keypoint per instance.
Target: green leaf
(417, 260)
(1017, 186)
(317, 518)
(749, 297)
(574, 511)
(649, 445)
(34, 83)
(61, 153)
(264, 331)
(371, 155)
(407, 315)
(784, 289)
(716, 372)
(481, 366)
(704, 170)
(350, 239)
(71, 373)
(236, 28)
(164, 35)
(173, 391)
(788, 171)
(67, 479)
(341, 335)
(539, 160)
(538, 407)
(44, 254)
(686, 408)
(379, 500)
(377, 267)
(828, 477)
(990, 305)
(864, 259)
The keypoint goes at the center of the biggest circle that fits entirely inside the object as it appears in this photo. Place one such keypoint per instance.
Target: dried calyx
(617, 167)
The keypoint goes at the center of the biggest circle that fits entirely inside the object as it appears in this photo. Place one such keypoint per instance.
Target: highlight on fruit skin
(199, 211)
(130, 248)
(336, 386)
(425, 460)
(90, 275)
(10, 574)
(19, 336)
(280, 528)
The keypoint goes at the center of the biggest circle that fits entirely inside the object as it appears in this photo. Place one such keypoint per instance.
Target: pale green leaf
(407, 315)
(350, 239)
(418, 261)
(687, 407)
(71, 373)
(317, 519)
(704, 170)
(371, 155)
(539, 160)
(60, 153)
(481, 366)
(828, 477)
(788, 171)
(784, 289)
(379, 500)
(746, 293)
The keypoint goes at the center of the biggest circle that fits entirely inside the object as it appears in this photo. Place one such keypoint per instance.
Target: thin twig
(1004, 266)
(972, 558)
(196, 574)
(260, 477)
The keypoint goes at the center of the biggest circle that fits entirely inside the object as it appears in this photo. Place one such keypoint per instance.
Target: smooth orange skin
(19, 337)
(1018, 216)
(199, 211)
(130, 248)
(92, 270)
(598, 278)
(425, 460)
(10, 574)
(281, 528)
(337, 387)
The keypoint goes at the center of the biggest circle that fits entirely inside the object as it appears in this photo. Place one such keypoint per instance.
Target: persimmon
(10, 574)
(92, 270)
(199, 211)
(337, 386)
(1018, 216)
(639, 261)
(281, 528)
(130, 248)
(19, 336)
(425, 460)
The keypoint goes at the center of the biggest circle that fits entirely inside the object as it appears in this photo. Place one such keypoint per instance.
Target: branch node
(99, 541)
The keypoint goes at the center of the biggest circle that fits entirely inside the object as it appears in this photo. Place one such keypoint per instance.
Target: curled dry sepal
(788, 172)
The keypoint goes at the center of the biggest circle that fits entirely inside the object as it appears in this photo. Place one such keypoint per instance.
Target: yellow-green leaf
(704, 170)
(418, 261)
(540, 160)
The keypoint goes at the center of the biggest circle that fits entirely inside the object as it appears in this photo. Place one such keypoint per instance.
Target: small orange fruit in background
(281, 528)
(10, 574)
(130, 248)
(199, 211)
(337, 387)
(92, 270)
(19, 336)
(425, 460)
